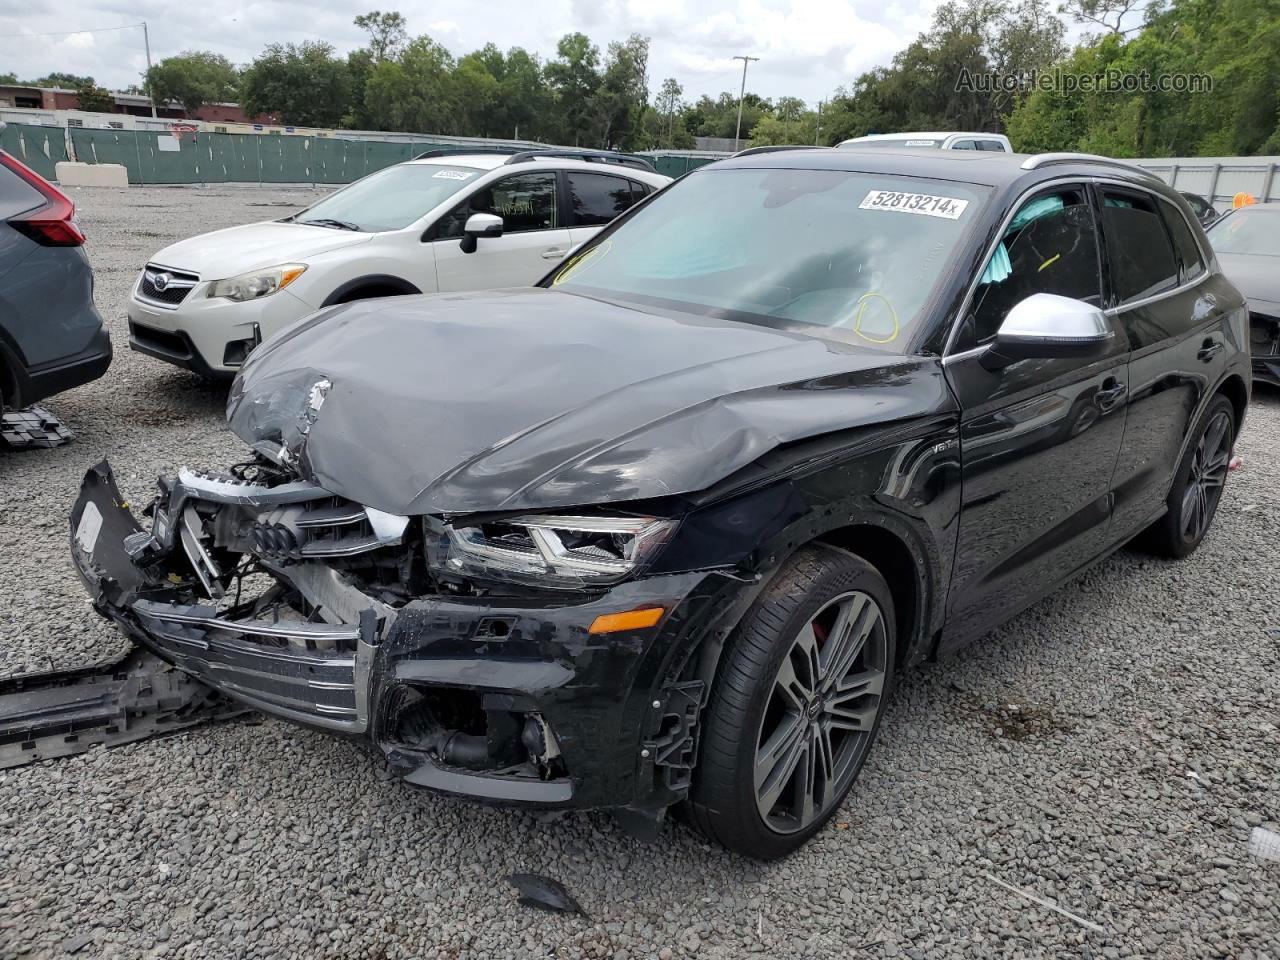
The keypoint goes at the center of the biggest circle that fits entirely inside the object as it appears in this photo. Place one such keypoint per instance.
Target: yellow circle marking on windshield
(862, 309)
(582, 261)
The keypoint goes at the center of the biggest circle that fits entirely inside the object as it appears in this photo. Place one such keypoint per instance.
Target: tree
(623, 94)
(93, 98)
(476, 90)
(67, 81)
(669, 101)
(1108, 14)
(194, 78)
(8, 78)
(575, 78)
(387, 33)
(414, 92)
(303, 84)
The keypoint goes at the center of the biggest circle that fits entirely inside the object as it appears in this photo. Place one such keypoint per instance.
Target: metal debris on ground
(33, 427)
(1028, 895)
(543, 893)
(130, 698)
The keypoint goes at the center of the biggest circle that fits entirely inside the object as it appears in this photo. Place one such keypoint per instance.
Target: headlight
(259, 283)
(548, 551)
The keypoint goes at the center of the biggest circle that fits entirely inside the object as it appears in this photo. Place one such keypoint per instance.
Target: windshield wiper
(336, 224)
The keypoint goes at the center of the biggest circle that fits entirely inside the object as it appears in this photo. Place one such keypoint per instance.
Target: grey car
(51, 336)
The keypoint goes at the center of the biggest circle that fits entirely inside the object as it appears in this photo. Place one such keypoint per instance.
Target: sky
(807, 48)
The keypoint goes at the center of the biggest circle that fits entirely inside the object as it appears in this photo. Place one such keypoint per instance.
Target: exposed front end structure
(321, 611)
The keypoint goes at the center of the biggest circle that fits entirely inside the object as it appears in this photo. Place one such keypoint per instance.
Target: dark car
(663, 529)
(51, 337)
(1247, 242)
(1201, 207)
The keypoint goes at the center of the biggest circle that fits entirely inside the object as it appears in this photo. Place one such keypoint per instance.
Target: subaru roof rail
(752, 151)
(1039, 160)
(594, 156)
(463, 151)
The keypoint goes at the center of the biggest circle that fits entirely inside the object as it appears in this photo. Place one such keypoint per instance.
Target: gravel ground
(1109, 750)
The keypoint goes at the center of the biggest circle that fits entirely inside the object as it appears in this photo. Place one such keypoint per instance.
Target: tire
(763, 716)
(1197, 484)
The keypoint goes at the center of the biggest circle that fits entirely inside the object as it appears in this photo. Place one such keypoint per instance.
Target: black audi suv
(662, 529)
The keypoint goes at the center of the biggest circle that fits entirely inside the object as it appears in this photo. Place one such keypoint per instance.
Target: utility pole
(817, 126)
(146, 40)
(737, 133)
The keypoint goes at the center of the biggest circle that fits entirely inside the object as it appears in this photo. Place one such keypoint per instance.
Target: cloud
(806, 47)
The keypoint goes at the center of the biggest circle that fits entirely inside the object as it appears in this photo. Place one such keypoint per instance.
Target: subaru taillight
(53, 223)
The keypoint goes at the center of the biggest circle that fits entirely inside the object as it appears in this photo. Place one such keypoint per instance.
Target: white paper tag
(90, 526)
(452, 175)
(925, 204)
(920, 143)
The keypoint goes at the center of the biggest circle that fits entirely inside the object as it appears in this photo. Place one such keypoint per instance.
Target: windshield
(847, 256)
(1247, 231)
(389, 199)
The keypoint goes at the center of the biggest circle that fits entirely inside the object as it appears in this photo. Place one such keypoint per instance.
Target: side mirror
(1045, 325)
(479, 225)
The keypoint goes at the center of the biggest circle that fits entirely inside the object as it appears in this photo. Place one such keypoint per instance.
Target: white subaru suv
(447, 220)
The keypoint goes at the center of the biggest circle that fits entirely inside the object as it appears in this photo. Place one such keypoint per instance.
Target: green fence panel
(229, 157)
(38, 147)
(677, 165)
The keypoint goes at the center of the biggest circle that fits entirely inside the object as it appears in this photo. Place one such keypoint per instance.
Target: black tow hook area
(136, 696)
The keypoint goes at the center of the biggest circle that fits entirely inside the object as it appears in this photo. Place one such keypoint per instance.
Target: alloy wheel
(821, 713)
(1208, 474)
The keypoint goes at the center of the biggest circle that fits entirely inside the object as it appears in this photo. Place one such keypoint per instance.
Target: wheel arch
(893, 558)
(1237, 391)
(392, 285)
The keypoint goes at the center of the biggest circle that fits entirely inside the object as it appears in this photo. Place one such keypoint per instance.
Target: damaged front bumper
(292, 601)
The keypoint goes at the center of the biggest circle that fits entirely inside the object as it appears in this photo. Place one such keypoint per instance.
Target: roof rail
(1047, 159)
(594, 156)
(463, 151)
(752, 151)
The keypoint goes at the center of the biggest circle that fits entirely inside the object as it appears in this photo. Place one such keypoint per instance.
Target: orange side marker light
(631, 620)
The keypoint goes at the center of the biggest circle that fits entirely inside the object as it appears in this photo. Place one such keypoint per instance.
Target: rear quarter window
(16, 195)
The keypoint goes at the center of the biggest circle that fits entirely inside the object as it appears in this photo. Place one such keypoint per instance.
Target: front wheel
(1197, 485)
(796, 705)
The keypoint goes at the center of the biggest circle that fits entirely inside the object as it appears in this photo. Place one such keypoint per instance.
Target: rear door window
(1050, 246)
(1140, 254)
(993, 146)
(597, 198)
(1190, 260)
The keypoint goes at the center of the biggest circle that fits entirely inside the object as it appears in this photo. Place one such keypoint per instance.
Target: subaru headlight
(258, 283)
(548, 551)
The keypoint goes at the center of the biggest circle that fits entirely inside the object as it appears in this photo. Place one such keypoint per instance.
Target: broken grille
(294, 667)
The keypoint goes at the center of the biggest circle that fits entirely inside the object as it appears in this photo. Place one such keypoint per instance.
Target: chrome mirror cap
(1044, 326)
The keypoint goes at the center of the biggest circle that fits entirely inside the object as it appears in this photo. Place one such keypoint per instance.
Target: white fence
(1218, 179)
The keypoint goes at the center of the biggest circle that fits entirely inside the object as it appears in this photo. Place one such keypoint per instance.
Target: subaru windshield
(846, 256)
(389, 199)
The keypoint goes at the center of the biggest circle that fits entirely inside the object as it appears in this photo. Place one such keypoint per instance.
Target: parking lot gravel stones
(1110, 750)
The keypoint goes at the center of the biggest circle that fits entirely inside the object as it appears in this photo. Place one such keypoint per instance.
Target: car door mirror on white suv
(480, 225)
(1045, 325)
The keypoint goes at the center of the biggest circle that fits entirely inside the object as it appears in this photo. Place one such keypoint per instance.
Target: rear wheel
(796, 705)
(1198, 484)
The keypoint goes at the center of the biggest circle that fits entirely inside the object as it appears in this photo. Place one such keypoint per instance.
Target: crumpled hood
(237, 250)
(531, 398)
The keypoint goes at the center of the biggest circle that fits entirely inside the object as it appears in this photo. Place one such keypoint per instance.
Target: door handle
(1209, 349)
(1112, 392)
(554, 253)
